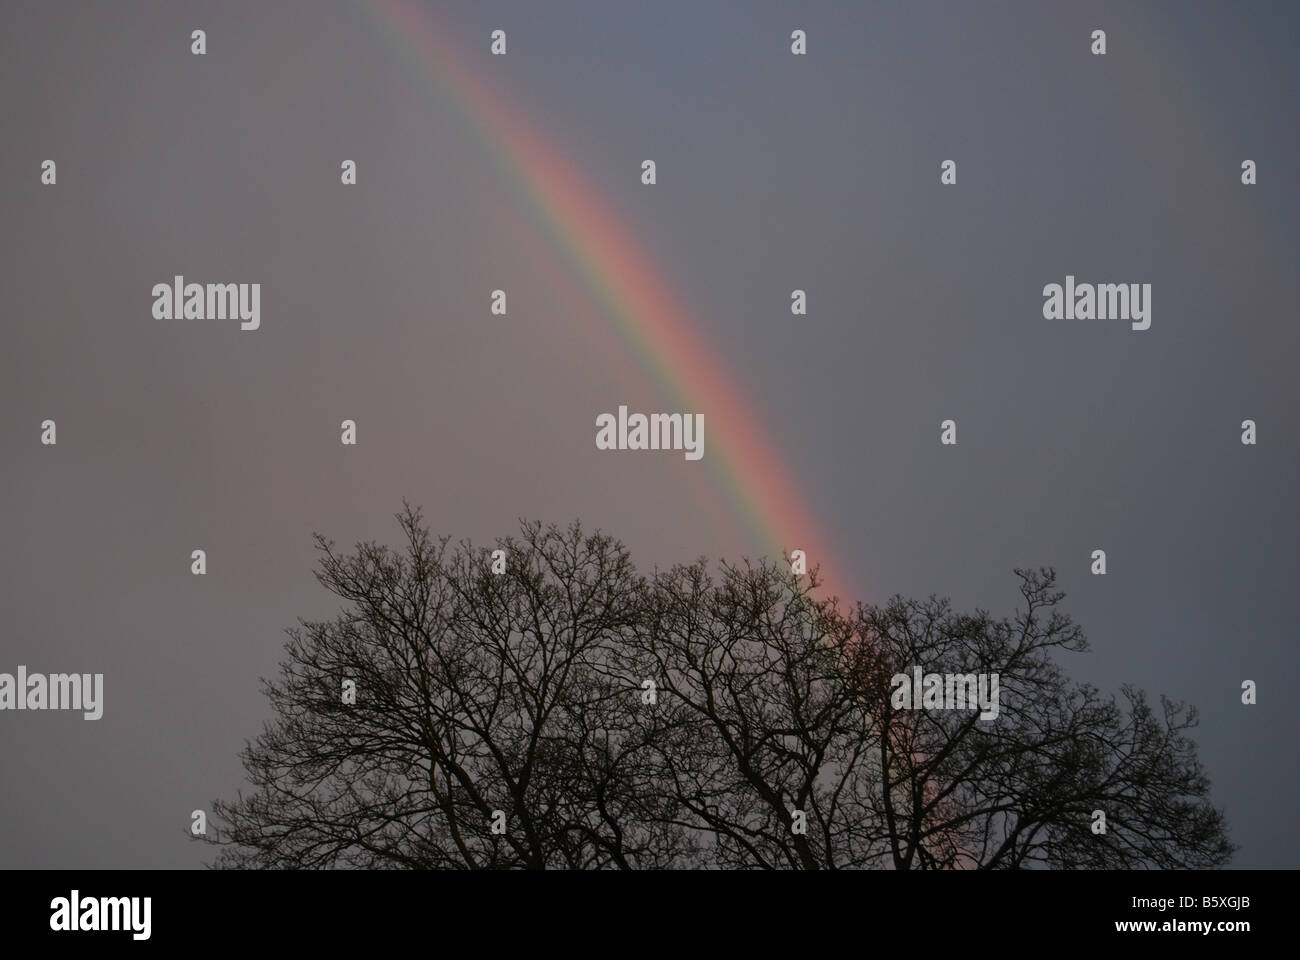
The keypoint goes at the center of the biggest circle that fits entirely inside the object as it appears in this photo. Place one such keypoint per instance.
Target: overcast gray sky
(775, 173)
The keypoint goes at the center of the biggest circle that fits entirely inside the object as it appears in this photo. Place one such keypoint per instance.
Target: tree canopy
(542, 704)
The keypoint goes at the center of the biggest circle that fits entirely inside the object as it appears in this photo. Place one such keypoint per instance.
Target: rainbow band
(623, 281)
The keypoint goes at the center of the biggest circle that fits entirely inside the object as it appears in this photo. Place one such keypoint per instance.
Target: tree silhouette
(566, 711)
(1024, 790)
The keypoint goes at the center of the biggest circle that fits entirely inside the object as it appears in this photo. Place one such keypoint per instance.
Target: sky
(774, 172)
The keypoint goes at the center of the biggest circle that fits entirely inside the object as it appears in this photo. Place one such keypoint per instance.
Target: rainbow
(623, 282)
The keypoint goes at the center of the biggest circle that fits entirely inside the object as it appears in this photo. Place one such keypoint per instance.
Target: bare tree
(778, 773)
(553, 708)
(475, 692)
(1033, 786)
